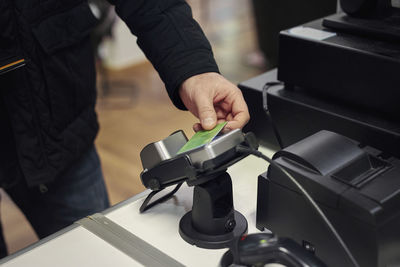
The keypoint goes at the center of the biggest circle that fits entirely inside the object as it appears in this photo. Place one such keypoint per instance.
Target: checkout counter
(330, 196)
(116, 237)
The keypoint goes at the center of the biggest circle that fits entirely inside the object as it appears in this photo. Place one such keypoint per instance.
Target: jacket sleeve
(170, 38)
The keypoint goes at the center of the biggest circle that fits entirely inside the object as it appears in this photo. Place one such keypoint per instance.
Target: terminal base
(194, 237)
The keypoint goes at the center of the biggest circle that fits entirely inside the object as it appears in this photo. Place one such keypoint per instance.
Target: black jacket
(47, 107)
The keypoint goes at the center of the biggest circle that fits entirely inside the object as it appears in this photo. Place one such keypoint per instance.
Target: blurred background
(133, 106)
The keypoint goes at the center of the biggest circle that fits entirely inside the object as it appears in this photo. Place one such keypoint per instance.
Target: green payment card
(202, 138)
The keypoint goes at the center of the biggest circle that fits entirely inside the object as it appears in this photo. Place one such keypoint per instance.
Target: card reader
(163, 166)
(213, 222)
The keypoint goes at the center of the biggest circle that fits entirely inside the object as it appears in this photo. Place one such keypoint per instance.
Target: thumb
(206, 111)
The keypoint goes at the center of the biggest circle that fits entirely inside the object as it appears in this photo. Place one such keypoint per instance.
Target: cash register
(335, 113)
(341, 73)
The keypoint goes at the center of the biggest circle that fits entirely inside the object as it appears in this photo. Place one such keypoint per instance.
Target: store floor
(136, 109)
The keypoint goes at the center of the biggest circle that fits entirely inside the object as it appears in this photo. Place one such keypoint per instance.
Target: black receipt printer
(356, 186)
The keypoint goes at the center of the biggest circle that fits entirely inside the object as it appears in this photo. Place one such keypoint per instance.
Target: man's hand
(213, 99)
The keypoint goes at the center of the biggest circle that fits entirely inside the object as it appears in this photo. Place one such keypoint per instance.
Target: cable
(145, 205)
(265, 108)
(265, 91)
(243, 149)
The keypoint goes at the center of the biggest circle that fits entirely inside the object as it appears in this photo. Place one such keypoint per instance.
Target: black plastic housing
(265, 248)
(357, 188)
(297, 114)
(367, 8)
(386, 29)
(347, 69)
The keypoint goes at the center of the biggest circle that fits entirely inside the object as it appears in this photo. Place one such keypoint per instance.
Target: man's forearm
(170, 38)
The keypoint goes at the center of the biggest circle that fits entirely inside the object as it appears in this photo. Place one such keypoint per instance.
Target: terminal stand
(213, 223)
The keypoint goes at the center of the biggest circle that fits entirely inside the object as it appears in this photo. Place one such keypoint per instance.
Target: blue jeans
(77, 193)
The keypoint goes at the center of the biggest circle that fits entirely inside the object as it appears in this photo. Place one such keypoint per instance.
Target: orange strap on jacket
(12, 64)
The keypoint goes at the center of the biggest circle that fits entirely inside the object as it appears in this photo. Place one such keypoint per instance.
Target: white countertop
(158, 226)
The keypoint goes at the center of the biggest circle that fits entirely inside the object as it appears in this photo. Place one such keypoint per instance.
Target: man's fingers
(221, 114)
(197, 127)
(212, 99)
(240, 114)
(238, 121)
(205, 109)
